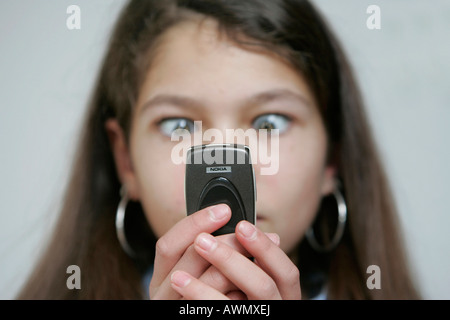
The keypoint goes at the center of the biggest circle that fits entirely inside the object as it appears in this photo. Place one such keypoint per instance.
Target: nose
(228, 130)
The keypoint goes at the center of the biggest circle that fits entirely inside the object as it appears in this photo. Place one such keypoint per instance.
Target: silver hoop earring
(342, 218)
(120, 222)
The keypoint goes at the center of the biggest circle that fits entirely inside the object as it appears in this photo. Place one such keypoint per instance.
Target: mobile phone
(221, 173)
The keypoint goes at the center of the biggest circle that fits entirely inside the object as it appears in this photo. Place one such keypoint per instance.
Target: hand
(175, 251)
(271, 276)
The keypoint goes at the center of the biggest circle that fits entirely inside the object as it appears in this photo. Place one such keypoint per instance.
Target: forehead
(194, 58)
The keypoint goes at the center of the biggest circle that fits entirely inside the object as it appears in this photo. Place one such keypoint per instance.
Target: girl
(328, 211)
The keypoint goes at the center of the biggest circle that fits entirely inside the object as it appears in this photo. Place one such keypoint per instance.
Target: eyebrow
(172, 99)
(257, 99)
(278, 94)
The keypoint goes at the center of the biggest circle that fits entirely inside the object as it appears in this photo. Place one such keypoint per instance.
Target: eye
(176, 125)
(272, 121)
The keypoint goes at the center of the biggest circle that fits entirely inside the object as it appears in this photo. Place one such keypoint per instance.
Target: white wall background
(47, 71)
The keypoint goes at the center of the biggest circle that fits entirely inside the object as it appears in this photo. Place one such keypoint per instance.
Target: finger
(236, 295)
(171, 246)
(190, 262)
(214, 278)
(195, 265)
(193, 289)
(240, 270)
(272, 259)
(275, 238)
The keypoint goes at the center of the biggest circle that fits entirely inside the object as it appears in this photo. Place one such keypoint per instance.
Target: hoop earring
(342, 218)
(120, 222)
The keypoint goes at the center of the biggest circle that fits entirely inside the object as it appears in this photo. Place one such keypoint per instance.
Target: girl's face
(196, 75)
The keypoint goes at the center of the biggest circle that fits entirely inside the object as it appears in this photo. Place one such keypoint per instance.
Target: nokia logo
(217, 169)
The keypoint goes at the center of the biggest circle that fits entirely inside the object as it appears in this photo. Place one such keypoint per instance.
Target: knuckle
(162, 248)
(267, 288)
(293, 273)
(291, 277)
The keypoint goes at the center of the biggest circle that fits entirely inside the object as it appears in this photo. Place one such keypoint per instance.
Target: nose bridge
(225, 116)
(228, 128)
(220, 126)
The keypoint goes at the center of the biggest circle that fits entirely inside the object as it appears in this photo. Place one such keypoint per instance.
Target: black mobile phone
(221, 173)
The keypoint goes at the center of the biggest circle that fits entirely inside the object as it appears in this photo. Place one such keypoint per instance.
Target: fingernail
(180, 278)
(274, 237)
(206, 241)
(248, 230)
(218, 212)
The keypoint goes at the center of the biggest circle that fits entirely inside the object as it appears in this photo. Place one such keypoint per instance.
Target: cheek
(290, 198)
(161, 188)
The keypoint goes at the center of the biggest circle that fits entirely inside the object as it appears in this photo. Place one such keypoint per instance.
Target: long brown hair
(293, 29)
